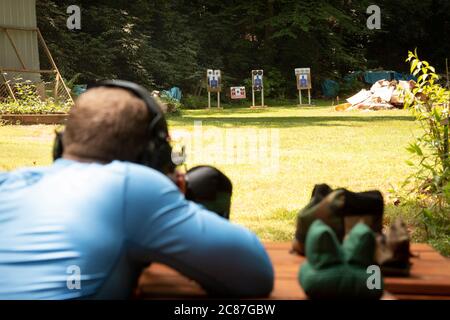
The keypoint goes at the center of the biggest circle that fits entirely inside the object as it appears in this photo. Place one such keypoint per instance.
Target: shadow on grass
(287, 122)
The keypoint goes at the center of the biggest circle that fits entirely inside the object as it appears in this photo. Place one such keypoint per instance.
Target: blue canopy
(173, 93)
(373, 76)
(330, 88)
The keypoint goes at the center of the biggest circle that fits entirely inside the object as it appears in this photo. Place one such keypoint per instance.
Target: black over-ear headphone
(158, 151)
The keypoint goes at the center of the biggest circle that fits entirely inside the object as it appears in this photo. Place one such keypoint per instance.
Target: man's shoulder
(128, 171)
(147, 190)
(21, 177)
(137, 174)
(3, 176)
(114, 167)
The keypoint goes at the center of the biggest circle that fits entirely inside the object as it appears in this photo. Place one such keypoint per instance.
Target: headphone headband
(157, 153)
(158, 125)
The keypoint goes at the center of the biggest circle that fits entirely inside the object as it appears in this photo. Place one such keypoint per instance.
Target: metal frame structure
(60, 89)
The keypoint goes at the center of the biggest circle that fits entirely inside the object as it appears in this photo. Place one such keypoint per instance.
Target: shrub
(429, 185)
(171, 105)
(28, 102)
(429, 103)
(45, 107)
(195, 102)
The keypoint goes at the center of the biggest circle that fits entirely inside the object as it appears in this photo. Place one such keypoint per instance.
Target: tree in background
(170, 43)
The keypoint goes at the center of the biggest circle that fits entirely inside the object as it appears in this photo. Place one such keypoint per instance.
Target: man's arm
(162, 226)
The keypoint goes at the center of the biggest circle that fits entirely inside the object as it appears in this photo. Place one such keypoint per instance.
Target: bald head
(106, 124)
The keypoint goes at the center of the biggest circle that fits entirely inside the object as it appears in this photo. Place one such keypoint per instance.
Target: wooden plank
(52, 61)
(422, 247)
(15, 48)
(420, 297)
(430, 275)
(430, 272)
(8, 87)
(162, 282)
(28, 71)
(430, 278)
(2, 27)
(33, 119)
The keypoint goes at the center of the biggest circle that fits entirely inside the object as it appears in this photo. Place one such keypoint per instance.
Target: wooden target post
(303, 79)
(257, 85)
(214, 84)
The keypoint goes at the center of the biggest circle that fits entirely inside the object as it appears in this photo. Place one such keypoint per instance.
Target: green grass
(356, 150)
(25, 146)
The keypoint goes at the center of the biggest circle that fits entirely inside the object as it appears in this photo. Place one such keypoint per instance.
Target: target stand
(214, 85)
(303, 80)
(257, 86)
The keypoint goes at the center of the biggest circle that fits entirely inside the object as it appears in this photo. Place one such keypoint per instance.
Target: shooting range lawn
(356, 150)
(25, 146)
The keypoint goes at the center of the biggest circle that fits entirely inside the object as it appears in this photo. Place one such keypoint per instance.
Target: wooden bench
(430, 278)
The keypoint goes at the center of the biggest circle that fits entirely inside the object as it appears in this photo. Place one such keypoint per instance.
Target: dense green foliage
(28, 102)
(163, 43)
(429, 185)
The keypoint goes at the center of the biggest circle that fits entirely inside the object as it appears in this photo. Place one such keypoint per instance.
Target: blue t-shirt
(102, 224)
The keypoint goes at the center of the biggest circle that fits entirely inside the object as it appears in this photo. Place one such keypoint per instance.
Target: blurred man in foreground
(101, 214)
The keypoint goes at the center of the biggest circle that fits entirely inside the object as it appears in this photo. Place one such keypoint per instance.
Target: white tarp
(382, 95)
(359, 97)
